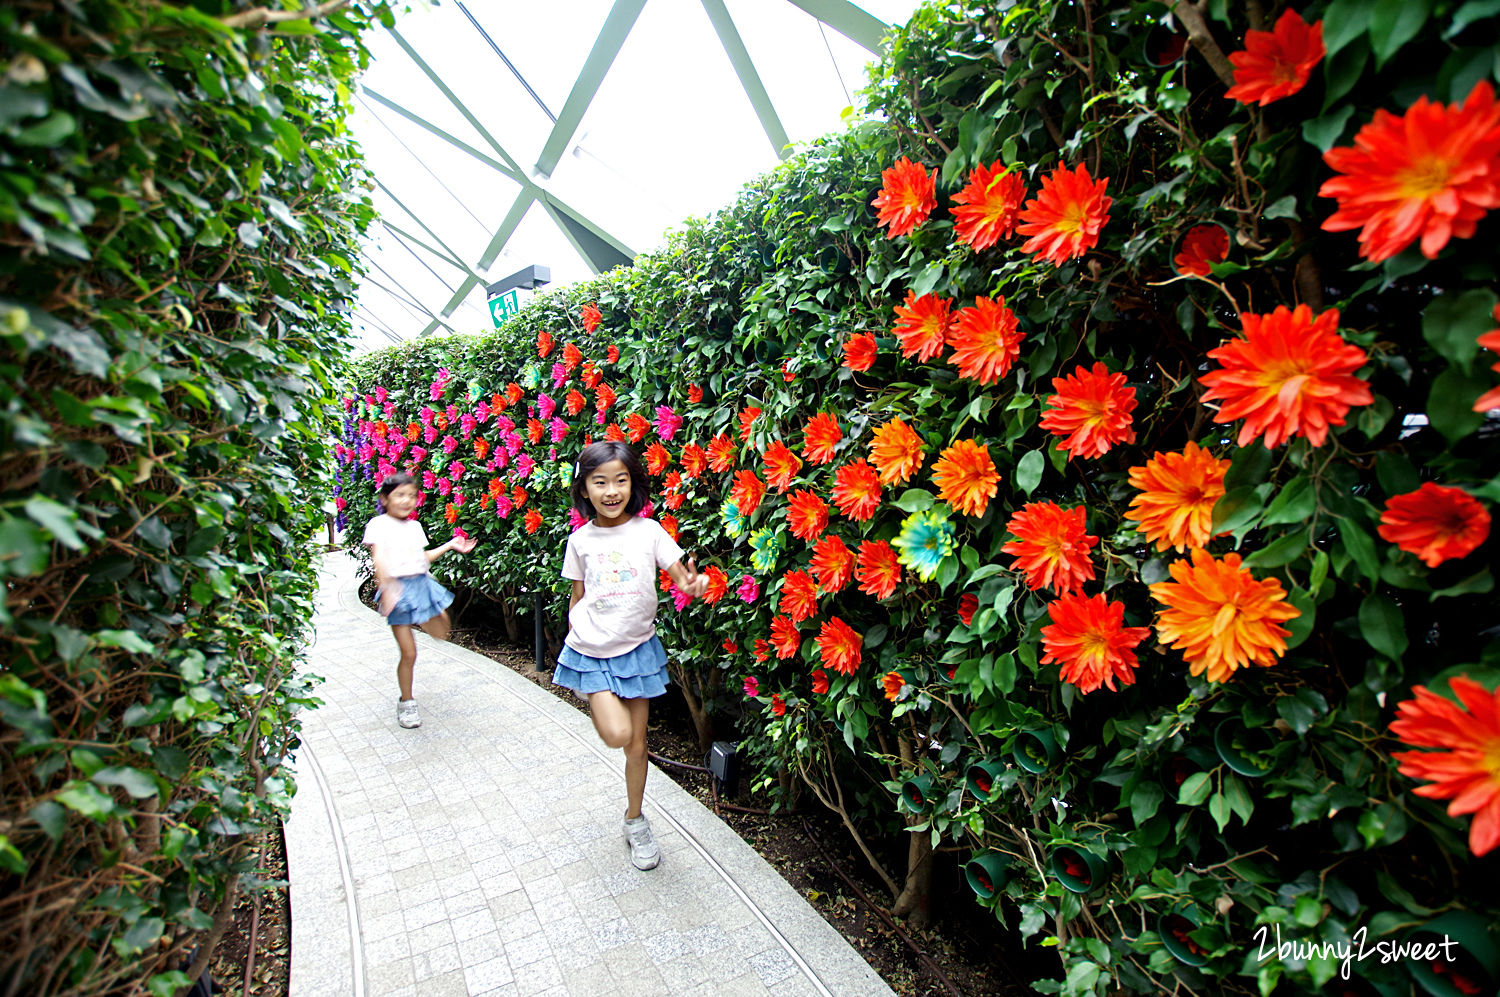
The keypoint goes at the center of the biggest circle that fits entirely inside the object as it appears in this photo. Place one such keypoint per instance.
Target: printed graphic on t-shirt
(612, 581)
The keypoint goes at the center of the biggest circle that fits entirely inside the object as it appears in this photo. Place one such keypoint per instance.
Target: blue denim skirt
(421, 599)
(640, 673)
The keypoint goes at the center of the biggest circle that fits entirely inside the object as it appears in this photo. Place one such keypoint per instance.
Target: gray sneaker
(406, 713)
(643, 851)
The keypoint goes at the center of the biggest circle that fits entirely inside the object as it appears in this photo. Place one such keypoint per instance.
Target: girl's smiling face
(608, 488)
(401, 501)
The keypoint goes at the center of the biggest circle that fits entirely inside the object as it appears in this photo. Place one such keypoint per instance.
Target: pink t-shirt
(617, 565)
(402, 545)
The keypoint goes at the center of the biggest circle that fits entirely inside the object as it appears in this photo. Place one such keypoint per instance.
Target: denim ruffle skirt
(422, 598)
(640, 673)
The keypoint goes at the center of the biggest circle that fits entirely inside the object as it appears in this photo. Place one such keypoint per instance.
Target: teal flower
(565, 474)
(531, 377)
(925, 539)
(734, 523)
(768, 545)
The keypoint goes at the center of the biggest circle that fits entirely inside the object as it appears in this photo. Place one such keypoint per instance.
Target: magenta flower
(482, 412)
(648, 511)
(452, 413)
(449, 444)
(545, 406)
(752, 685)
(460, 533)
(749, 589)
(348, 403)
(370, 400)
(667, 422)
(514, 443)
(428, 479)
(456, 470)
(525, 465)
(467, 424)
(575, 520)
(381, 394)
(384, 470)
(458, 496)
(559, 375)
(500, 460)
(340, 503)
(390, 409)
(430, 434)
(504, 424)
(444, 487)
(426, 414)
(503, 506)
(680, 599)
(559, 432)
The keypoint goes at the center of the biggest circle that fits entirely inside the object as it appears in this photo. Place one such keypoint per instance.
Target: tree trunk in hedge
(703, 723)
(915, 901)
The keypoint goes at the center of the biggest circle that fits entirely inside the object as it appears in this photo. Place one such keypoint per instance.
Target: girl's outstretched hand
(462, 544)
(695, 584)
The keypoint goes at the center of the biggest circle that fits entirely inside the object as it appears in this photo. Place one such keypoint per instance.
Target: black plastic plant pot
(1078, 870)
(1474, 966)
(1246, 751)
(1174, 928)
(1035, 750)
(987, 874)
(981, 778)
(917, 791)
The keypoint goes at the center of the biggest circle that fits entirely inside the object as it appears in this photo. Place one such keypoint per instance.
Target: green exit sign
(503, 306)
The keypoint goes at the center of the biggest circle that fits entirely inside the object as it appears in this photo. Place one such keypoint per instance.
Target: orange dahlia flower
(514, 393)
(721, 453)
(1467, 771)
(695, 394)
(896, 451)
(988, 206)
(591, 316)
(718, 584)
(877, 569)
(780, 466)
(799, 596)
(747, 421)
(1291, 375)
(657, 458)
(614, 433)
(1089, 640)
(746, 492)
(1220, 617)
(1052, 546)
(604, 397)
(966, 477)
(1065, 218)
(1091, 411)
(839, 646)
(892, 683)
(637, 426)
(922, 325)
(694, 460)
(535, 430)
(820, 436)
(1490, 341)
(807, 515)
(819, 681)
(1203, 246)
(572, 356)
(784, 637)
(859, 351)
(833, 563)
(589, 374)
(1430, 173)
(908, 197)
(1276, 63)
(1175, 507)
(985, 340)
(1436, 522)
(533, 521)
(669, 523)
(543, 343)
(856, 490)
(576, 401)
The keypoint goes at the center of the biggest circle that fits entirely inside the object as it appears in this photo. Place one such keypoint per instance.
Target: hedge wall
(1091, 447)
(180, 204)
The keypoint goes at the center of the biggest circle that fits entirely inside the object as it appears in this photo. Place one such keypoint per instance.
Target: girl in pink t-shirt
(611, 654)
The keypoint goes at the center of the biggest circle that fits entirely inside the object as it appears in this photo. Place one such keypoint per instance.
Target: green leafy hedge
(179, 211)
(1152, 830)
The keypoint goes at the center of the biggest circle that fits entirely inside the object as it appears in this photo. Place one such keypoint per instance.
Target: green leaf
(140, 936)
(1301, 709)
(1474, 10)
(1323, 132)
(1452, 325)
(1393, 23)
(1248, 466)
(1145, 799)
(1238, 798)
(1236, 509)
(1300, 627)
(51, 818)
(48, 132)
(1450, 404)
(125, 640)
(56, 518)
(1480, 583)
(1344, 21)
(1358, 545)
(1382, 625)
(1294, 503)
(23, 548)
(914, 500)
(135, 782)
(87, 799)
(1218, 809)
(1195, 789)
(1280, 552)
(1029, 471)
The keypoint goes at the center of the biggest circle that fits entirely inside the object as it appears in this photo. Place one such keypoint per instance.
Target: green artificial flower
(925, 539)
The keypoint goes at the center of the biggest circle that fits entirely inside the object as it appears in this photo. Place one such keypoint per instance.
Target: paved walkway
(481, 853)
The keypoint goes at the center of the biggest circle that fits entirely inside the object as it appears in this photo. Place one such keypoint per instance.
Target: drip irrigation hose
(658, 759)
(890, 922)
(712, 791)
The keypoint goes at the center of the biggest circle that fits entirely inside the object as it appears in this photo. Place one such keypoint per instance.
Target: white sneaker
(643, 851)
(406, 713)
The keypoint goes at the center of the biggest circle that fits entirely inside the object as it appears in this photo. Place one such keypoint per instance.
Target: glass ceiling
(501, 136)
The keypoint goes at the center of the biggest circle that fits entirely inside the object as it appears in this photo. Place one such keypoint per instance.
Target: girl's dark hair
(596, 454)
(392, 482)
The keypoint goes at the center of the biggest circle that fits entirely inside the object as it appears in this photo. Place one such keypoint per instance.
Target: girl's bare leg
(408, 645)
(438, 626)
(621, 723)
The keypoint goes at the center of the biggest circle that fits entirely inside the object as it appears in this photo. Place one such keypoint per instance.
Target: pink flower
(348, 404)
(428, 479)
(752, 685)
(426, 414)
(444, 487)
(545, 406)
(680, 599)
(575, 521)
(340, 503)
(749, 589)
(381, 394)
(559, 375)
(559, 431)
(418, 454)
(667, 422)
(449, 444)
(456, 470)
(390, 409)
(482, 412)
(460, 532)
(648, 511)
(503, 506)
(458, 496)
(525, 465)
(430, 434)
(467, 423)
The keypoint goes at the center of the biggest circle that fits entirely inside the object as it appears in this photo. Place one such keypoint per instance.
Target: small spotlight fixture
(529, 279)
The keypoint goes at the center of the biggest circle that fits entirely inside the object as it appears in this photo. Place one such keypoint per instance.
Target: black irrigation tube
(712, 792)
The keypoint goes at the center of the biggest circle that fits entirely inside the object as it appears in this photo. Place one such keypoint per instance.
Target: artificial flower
(519, 495)
(1065, 217)
(799, 596)
(832, 563)
(784, 637)
(766, 546)
(657, 458)
(572, 356)
(718, 584)
(985, 340)
(748, 415)
(839, 646)
(807, 515)
(730, 647)
(533, 521)
(721, 453)
(761, 649)
(819, 681)
(926, 538)
(968, 605)
(780, 465)
(908, 196)
(752, 686)
(543, 343)
(589, 374)
(667, 422)
(787, 374)
(575, 402)
(896, 451)
(729, 515)
(856, 490)
(1436, 522)
(819, 438)
(1088, 638)
(535, 430)
(966, 477)
(636, 427)
(695, 394)
(1220, 616)
(1464, 770)
(694, 460)
(1091, 411)
(670, 524)
(591, 316)
(1175, 507)
(614, 433)
(747, 492)
(1429, 174)
(859, 351)
(922, 325)
(604, 397)
(1490, 341)
(1277, 63)
(1201, 248)
(892, 683)
(1052, 546)
(988, 206)
(749, 589)
(1291, 375)
(778, 705)
(612, 354)
(876, 569)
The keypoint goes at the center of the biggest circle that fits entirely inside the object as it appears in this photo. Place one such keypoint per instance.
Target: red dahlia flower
(819, 681)
(591, 316)
(657, 458)
(784, 637)
(1436, 522)
(877, 569)
(572, 356)
(1203, 246)
(1175, 507)
(859, 351)
(1087, 637)
(908, 197)
(718, 584)
(1466, 770)
(1091, 411)
(799, 596)
(839, 646)
(985, 340)
(721, 453)
(968, 605)
(1277, 63)
(922, 325)
(833, 563)
(819, 437)
(694, 460)
(966, 477)
(856, 490)
(533, 521)
(747, 492)
(637, 426)
(1065, 219)
(1052, 546)
(807, 515)
(748, 415)
(896, 452)
(780, 466)
(892, 683)
(543, 343)
(988, 206)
